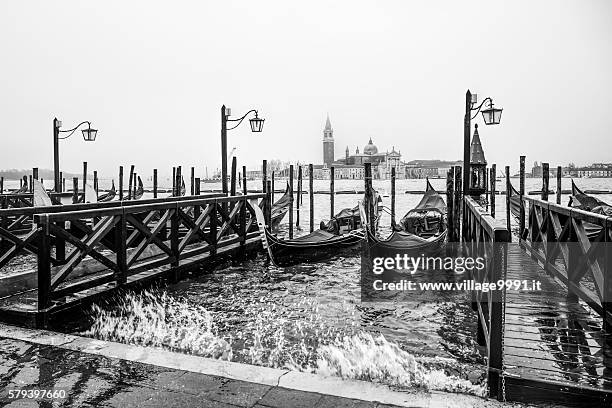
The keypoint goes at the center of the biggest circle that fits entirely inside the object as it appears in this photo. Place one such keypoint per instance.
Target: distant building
(429, 168)
(328, 143)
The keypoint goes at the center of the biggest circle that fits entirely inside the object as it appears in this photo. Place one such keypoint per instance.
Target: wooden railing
(18, 234)
(27, 199)
(139, 239)
(486, 237)
(574, 246)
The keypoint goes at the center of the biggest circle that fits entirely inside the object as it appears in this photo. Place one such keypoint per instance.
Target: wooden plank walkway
(552, 347)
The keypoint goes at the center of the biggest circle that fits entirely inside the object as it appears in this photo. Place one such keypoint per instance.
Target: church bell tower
(328, 143)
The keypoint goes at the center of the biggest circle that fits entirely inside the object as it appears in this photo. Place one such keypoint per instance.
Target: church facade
(351, 165)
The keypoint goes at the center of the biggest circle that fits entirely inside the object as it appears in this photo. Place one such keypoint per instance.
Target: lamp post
(256, 127)
(491, 116)
(89, 135)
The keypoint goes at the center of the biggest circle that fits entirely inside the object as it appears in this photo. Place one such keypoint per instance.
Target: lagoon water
(310, 317)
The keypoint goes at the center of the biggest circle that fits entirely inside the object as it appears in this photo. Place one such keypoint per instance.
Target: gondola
(316, 246)
(515, 202)
(422, 231)
(139, 191)
(109, 196)
(280, 208)
(24, 187)
(589, 203)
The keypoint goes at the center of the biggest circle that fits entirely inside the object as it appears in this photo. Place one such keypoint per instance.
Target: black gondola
(421, 231)
(316, 246)
(589, 203)
(109, 196)
(280, 208)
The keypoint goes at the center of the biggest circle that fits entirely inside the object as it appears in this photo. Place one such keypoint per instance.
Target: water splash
(259, 331)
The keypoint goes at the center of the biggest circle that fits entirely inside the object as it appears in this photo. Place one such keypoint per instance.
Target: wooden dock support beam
(545, 181)
(493, 178)
(299, 196)
(522, 195)
(331, 192)
(154, 183)
(392, 196)
(311, 196)
(291, 201)
(508, 203)
(559, 190)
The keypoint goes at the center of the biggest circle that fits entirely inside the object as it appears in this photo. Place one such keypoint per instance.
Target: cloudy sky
(152, 76)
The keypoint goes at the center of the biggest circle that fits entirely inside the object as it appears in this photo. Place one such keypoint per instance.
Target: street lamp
(256, 127)
(89, 135)
(490, 115)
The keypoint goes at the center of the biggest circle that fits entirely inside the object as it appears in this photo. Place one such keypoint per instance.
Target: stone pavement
(98, 381)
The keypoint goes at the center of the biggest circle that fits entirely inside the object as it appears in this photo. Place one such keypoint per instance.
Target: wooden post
(95, 181)
(264, 175)
(392, 196)
(213, 229)
(31, 186)
(63, 186)
(508, 203)
(198, 181)
(154, 183)
(272, 197)
(493, 177)
(545, 181)
(192, 179)
(75, 190)
(449, 201)
(269, 204)
(174, 244)
(233, 180)
(131, 181)
(242, 228)
(35, 173)
(522, 195)
(244, 181)
(135, 186)
(331, 192)
(44, 265)
(311, 196)
(291, 201)
(174, 193)
(559, 191)
(1, 185)
(120, 183)
(299, 196)
(121, 236)
(84, 178)
(458, 202)
(370, 222)
(495, 356)
(179, 180)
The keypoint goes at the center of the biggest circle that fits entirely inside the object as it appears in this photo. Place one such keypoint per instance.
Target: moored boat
(280, 208)
(108, 196)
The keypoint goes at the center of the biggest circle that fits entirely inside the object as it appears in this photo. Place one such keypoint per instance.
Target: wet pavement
(97, 381)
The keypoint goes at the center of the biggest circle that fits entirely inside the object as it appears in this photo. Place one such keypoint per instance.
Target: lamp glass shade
(256, 124)
(89, 134)
(492, 116)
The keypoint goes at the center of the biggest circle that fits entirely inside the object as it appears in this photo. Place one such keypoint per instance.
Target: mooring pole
(392, 197)
(95, 174)
(75, 190)
(84, 175)
(174, 194)
(268, 206)
(272, 188)
(331, 192)
(1, 185)
(56, 165)
(179, 180)
(192, 180)
(264, 176)
(458, 203)
(545, 181)
(223, 150)
(31, 184)
(449, 201)
(244, 181)
(35, 173)
(311, 196)
(233, 179)
(154, 183)
(508, 202)
(63, 180)
(131, 181)
(134, 186)
(559, 191)
(120, 183)
(369, 196)
(493, 177)
(299, 196)
(291, 201)
(522, 195)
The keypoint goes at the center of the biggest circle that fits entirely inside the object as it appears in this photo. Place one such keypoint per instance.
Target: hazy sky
(152, 78)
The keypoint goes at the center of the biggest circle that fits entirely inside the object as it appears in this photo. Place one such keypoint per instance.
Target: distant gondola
(280, 208)
(421, 231)
(316, 246)
(139, 190)
(109, 196)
